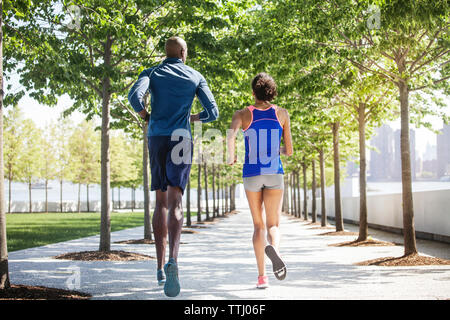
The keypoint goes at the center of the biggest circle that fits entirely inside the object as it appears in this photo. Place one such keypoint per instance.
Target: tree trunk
(409, 232)
(205, 173)
(232, 206)
(363, 228)
(283, 204)
(4, 273)
(199, 193)
(188, 203)
(46, 195)
(299, 199)
(9, 194)
(87, 198)
(292, 194)
(323, 215)
(305, 192)
(145, 181)
(79, 197)
(118, 195)
(294, 189)
(105, 225)
(226, 199)
(223, 198)
(313, 210)
(214, 191)
(60, 195)
(133, 199)
(29, 197)
(218, 193)
(112, 195)
(285, 195)
(337, 181)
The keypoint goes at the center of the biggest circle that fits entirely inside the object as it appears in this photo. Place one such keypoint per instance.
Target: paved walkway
(218, 263)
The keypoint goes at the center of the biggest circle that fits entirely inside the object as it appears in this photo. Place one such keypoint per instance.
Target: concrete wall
(431, 212)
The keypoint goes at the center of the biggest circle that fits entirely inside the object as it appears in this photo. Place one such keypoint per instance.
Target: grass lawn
(27, 230)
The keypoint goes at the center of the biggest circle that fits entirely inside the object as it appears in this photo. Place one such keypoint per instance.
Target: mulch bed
(367, 243)
(409, 260)
(339, 233)
(23, 292)
(184, 231)
(140, 241)
(326, 227)
(307, 223)
(136, 241)
(207, 222)
(194, 226)
(113, 255)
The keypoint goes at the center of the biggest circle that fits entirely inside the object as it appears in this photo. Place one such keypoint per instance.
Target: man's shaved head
(176, 48)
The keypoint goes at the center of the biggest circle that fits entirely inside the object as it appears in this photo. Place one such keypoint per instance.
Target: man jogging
(173, 87)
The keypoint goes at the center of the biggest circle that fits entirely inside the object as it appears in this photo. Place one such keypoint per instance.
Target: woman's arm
(287, 149)
(236, 124)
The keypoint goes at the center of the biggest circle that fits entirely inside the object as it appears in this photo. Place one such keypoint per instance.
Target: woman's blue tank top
(262, 143)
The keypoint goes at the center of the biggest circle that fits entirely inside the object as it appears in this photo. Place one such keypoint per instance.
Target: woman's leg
(259, 233)
(273, 200)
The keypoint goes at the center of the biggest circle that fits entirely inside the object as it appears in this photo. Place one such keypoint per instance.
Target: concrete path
(218, 263)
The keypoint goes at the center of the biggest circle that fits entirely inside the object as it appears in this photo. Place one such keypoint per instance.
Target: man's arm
(137, 94)
(210, 112)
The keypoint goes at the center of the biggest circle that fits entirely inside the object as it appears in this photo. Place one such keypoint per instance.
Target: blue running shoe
(161, 277)
(172, 285)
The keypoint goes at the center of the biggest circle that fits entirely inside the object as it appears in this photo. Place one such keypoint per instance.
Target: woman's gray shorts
(265, 181)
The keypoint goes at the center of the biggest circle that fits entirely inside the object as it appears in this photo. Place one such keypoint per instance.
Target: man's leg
(159, 223)
(175, 221)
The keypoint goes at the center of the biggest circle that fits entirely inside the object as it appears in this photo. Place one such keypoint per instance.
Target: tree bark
(293, 208)
(46, 195)
(294, 189)
(409, 232)
(133, 199)
(305, 192)
(205, 173)
(313, 210)
(199, 194)
(323, 215)
(363, 228)
(79, 197)
(226, 199)
(188, 203)
(118, 195)
(29, 197)
(223, 198)
(4, 273)
(146, 184)
(214, 191)
(9, 194)
(299, 206)
(105, 225)
(337, 181)
(60, 195)
(87, 198)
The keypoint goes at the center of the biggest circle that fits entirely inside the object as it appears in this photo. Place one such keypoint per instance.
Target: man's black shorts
(170, 161)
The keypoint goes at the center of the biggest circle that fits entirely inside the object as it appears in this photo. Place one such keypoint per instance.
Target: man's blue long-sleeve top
(173, 87)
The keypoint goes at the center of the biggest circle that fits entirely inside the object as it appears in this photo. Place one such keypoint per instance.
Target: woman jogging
(263, 124)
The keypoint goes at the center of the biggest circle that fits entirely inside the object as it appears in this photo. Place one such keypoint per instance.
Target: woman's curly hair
(264, 87)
